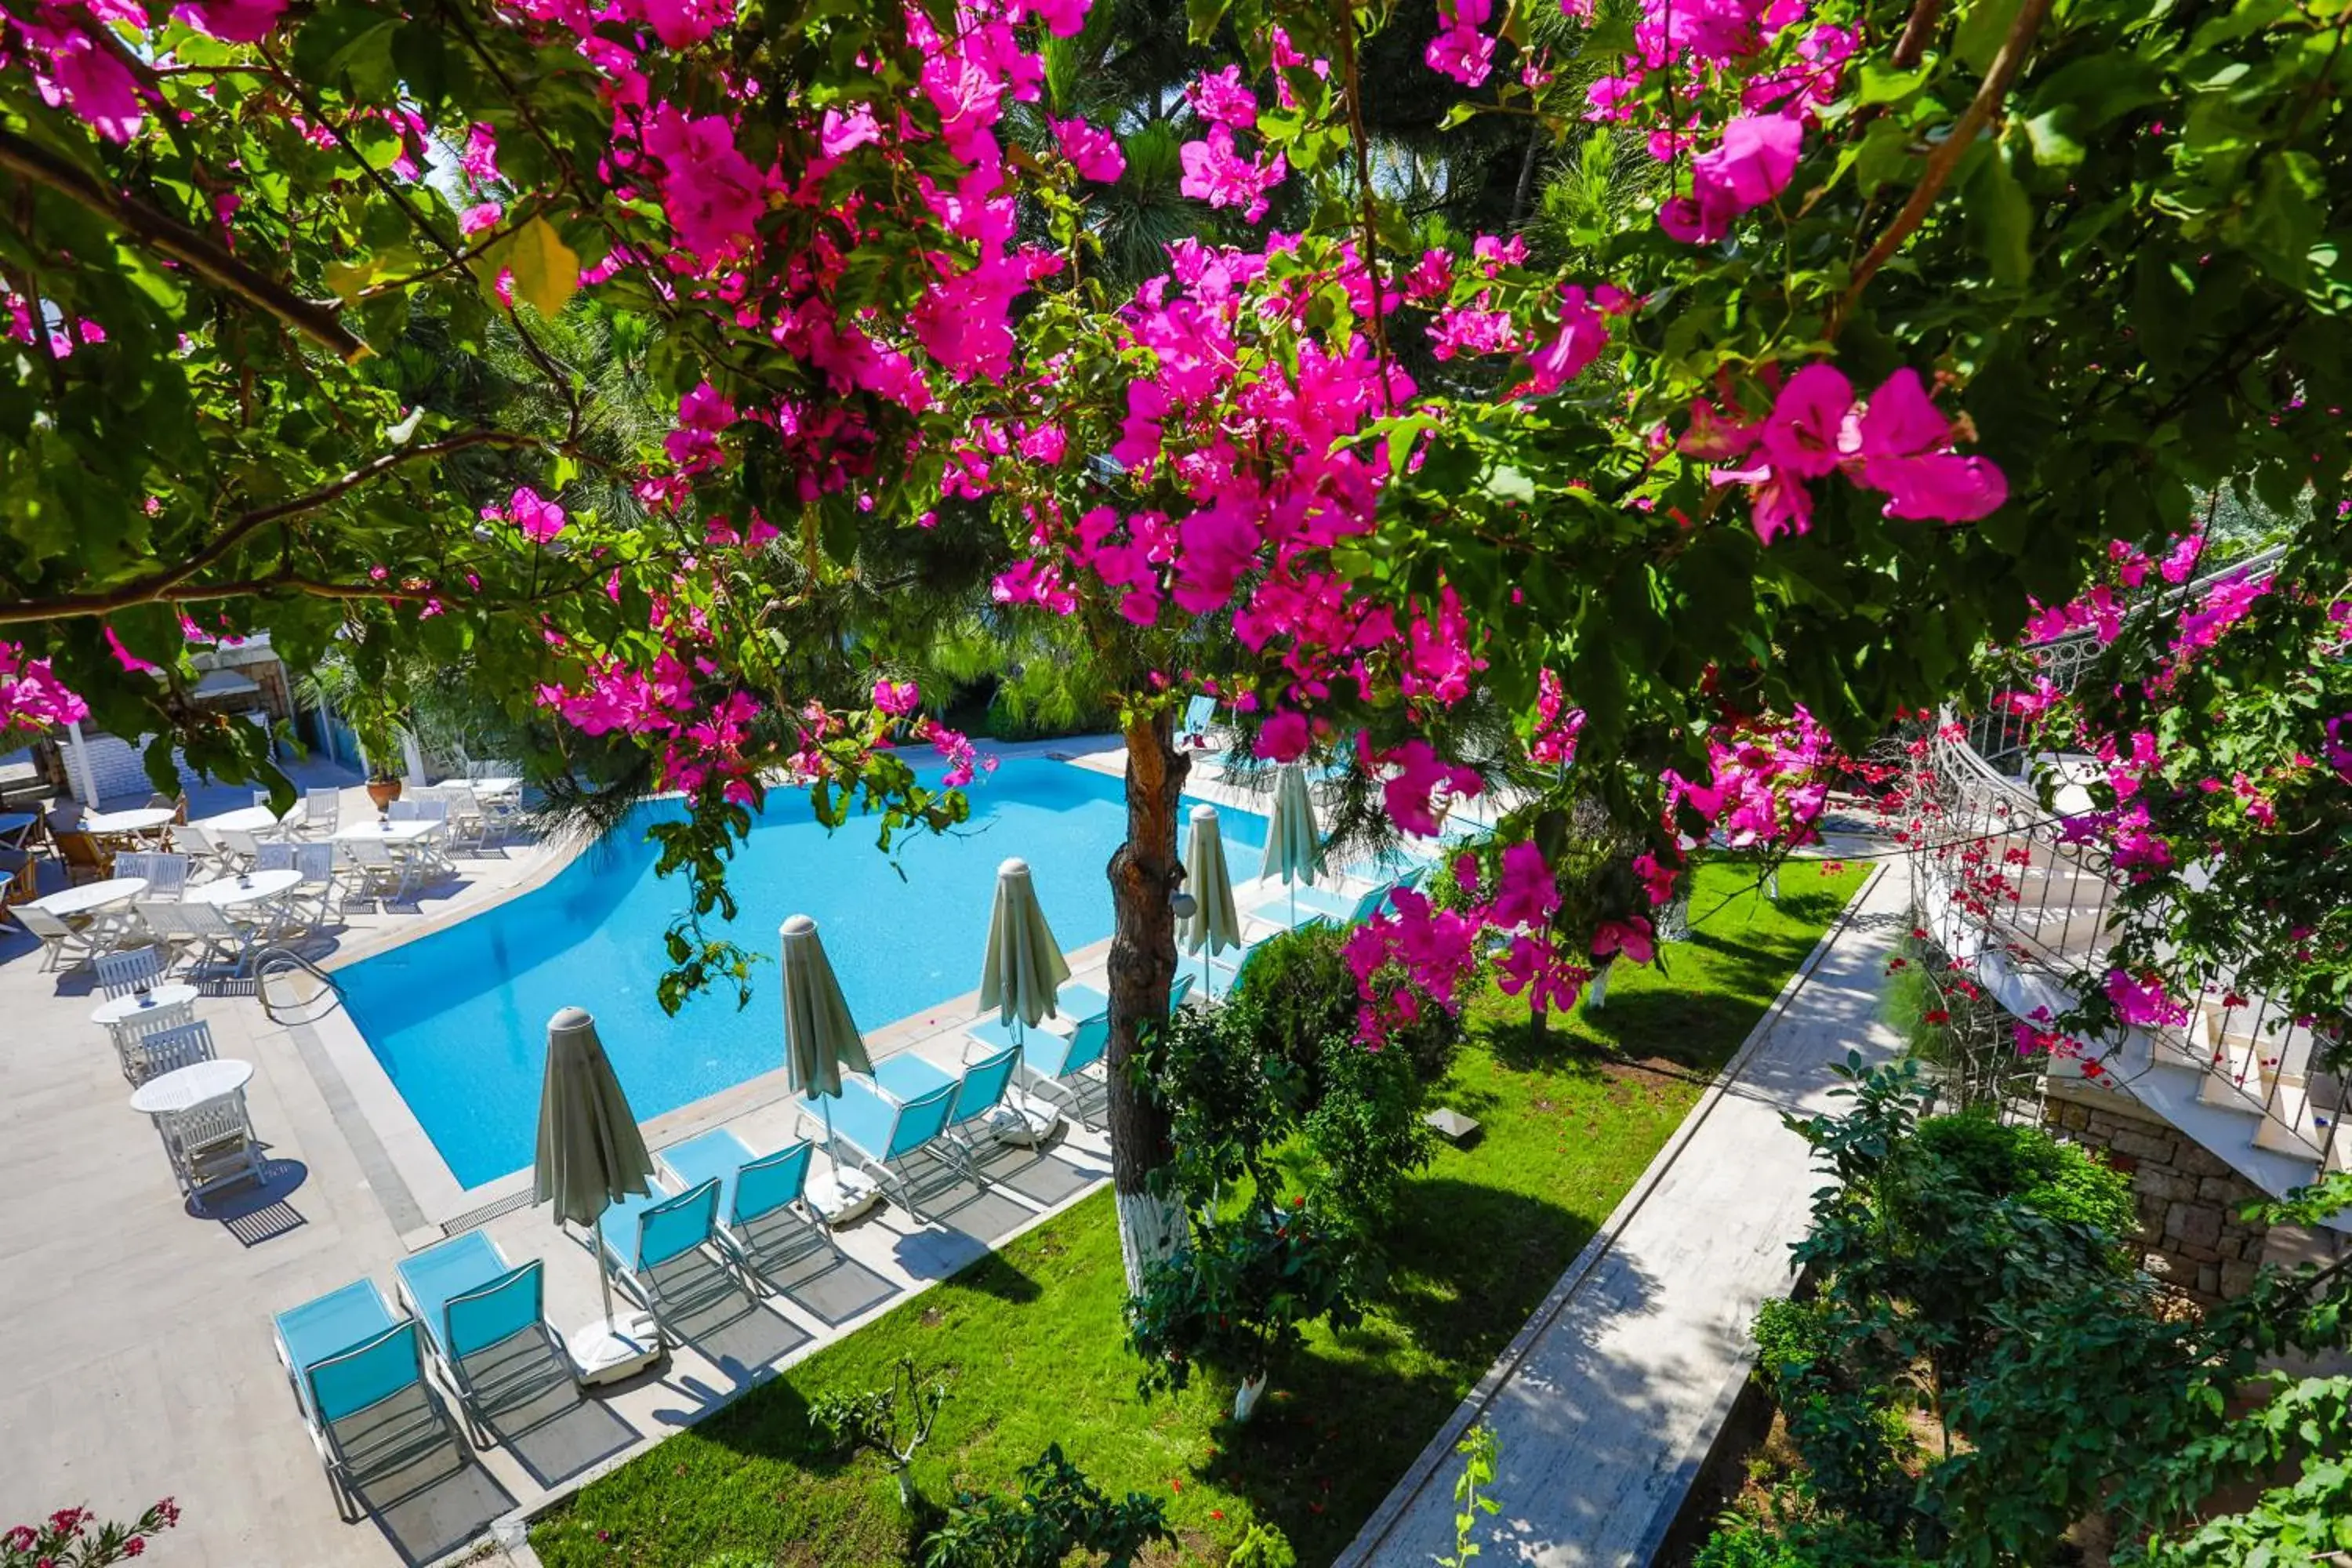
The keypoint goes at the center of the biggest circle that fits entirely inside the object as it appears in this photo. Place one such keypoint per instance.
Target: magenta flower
(2142, 1002)
(682, 24)
(711, 194)
(1284, 737)
(1215, 174)
(232, 21)
(898, 698)
(480, 216)
(839, 134)
(1903, 448)
(1222, 100)
(78, 74)
(1527, 895)
(1747, 167)
(1092, 151)
(1800, 437)
(1629, 937)
(540, 519)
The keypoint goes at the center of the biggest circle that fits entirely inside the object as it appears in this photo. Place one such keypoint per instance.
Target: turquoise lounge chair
(1055, 1064)
(1321, 904)
(1200, 717)
(486, 1325)
(882, 1128)
(650, 1244)
(358, 1373)
(1083, 1001)
(979, 1091)
(761, 1224)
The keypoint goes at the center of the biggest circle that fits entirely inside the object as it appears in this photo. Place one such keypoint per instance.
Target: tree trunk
(1144, 874)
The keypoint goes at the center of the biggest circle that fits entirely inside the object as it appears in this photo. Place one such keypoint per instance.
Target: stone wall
(2188, 1197)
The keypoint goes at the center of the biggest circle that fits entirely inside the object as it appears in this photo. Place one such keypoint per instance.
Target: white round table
(492, 787)
(191, 1086)
(91, 896)
(251, 819)
(252, 888)
(395, 833)
(123, 1009)
(144, 819)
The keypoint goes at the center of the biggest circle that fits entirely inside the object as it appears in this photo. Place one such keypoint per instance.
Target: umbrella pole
(603, 1273)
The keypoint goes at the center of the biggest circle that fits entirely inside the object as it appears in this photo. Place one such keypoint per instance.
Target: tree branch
(1947, 153)
(29, 160)
(1914, 41)
(163, 586)
(1364, 192)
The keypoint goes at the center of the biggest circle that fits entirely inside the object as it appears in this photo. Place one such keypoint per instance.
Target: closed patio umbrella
(1023, 966)
(1212, 923)
(591, 1155)
(1294, 843)
(820, 1038)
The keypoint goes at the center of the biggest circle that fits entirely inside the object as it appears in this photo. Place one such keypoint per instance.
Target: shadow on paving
(732, 1328)
(1038, 1174)
(830, 1285)
(429, 1509)
(557, 1431)
(256, 1211)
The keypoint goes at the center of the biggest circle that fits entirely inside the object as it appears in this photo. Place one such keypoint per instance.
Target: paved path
(1606, 1404)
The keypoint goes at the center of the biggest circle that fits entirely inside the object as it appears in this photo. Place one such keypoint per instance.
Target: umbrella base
(837, 1197)
(611, 1349)
(1025, 1124)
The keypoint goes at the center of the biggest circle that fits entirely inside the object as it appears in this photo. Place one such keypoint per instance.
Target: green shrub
(1739, 1541)
(1263, 1547)
(1791, 1338)
(1366, 1132)
(1303, 993)
(1058, 1511)
(1992, 1160)
(1238, 1297)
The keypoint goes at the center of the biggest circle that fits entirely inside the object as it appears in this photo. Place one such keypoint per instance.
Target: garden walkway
(1606, 1404)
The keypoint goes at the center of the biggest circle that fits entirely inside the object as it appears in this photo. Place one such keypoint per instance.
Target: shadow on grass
(1345, 1422)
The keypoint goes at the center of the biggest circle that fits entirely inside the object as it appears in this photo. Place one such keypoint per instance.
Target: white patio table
(90, 897)
(143, 819)
(186, 1088)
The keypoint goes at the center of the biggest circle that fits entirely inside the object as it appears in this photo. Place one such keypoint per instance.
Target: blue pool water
(459, 1018)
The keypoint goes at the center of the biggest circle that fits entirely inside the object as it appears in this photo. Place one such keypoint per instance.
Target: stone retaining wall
(2188, 1197)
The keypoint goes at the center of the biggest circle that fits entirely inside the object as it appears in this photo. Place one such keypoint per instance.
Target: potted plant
(334, 685)
(383, 783)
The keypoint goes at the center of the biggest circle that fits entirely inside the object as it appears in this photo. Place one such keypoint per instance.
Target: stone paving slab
(1605, 1405)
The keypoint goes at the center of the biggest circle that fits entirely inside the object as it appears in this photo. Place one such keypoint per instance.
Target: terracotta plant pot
(383, 791)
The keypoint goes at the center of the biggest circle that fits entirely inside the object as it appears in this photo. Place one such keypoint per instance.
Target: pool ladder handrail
(282, 961)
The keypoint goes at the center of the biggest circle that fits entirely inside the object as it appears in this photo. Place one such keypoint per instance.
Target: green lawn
(1030, 1339)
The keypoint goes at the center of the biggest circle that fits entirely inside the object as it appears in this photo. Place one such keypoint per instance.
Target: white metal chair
(168, 1050)
(428, 853)
(132, 1033)
(166, 874)
(61, 939)
(135, 969)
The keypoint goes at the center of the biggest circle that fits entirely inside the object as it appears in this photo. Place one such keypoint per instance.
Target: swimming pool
(458, 1019)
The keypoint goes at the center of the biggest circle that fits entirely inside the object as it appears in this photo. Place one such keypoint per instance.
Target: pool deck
(148, 1369)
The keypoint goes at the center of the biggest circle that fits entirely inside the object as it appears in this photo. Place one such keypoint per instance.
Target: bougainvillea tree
(1926, 305)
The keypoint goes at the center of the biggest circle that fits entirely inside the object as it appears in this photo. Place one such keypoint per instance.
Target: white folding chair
(382, 875)
(166, 874)
(321, 809)
(238, 849)
(132, 1033)
(197, 845)
(210, 1144)
(168, 1050)
(135, 969)
(469, 826)
(318, 886)
(61, 939)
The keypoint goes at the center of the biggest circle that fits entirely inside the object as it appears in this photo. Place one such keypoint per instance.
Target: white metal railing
(2012, 887)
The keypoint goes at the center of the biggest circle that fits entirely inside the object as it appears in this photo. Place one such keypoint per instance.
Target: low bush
(1058, 1511)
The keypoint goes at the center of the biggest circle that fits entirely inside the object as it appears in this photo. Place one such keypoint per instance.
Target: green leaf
(2002, 216)
(1201, 16)
(546, 271)
(1983, 30)
(1882, 83)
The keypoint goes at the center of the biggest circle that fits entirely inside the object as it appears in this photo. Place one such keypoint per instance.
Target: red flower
(1175, 1485)
(1937, 1015)
(1216, 1513)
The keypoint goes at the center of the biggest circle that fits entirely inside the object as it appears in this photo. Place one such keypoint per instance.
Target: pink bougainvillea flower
(711, 194)
(480, 158)
(232, 21)
(1629, 937)
(481, 215)
(1460, 51)
(1583, 334)
(1526, 895)
(539, 518)
(1220, 98)
(682, 24)
(1801, 435)
(1284, 737)
(1092, 151)
(1412, 795)
(898, 698)
(82, 76)
(1749, 166)
(1902, 446)
(839, 134)
(2141, 1001)
(1215, 173)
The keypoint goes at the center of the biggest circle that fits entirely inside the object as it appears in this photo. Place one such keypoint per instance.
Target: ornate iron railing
(2014, 892)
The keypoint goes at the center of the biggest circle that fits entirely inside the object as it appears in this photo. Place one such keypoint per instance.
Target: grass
(1031, 1343)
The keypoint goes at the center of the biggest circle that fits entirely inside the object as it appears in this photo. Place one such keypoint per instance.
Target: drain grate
(474, 1219)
